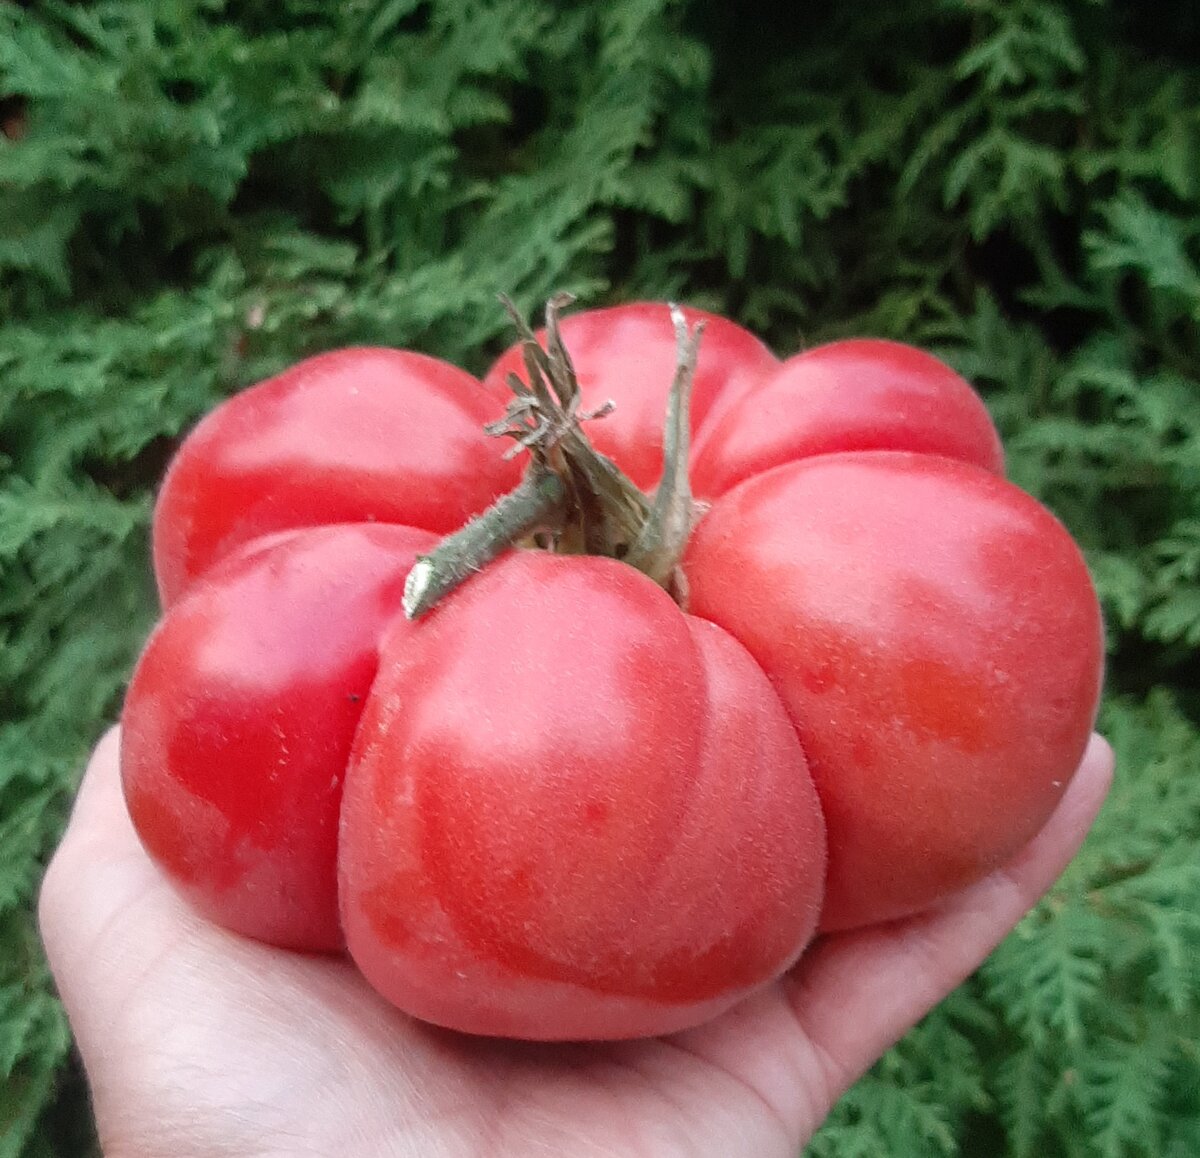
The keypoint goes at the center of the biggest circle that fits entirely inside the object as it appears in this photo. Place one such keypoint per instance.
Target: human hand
(198, 1042)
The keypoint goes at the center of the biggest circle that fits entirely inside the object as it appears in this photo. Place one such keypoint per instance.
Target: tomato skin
(574, 812)
(935, 637)
(357, 435)
(627, 354)
(858, 394)
(238, 723)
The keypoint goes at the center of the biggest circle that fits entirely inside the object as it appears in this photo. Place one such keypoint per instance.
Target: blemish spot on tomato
(944, 703)
(862, 752)
(389, 918)
(819, 678)
(595, 812)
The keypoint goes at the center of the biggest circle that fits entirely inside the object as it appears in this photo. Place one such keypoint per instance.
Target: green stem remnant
(606, 511)
(664, 535)
(532, 505)
(579, 500)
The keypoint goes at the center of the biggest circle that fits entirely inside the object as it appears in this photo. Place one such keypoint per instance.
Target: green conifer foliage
(195, 193)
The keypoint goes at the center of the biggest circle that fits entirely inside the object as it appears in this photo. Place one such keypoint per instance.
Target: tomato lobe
(626, 355)
(936, 640)
(239, 721)
(365, 435)
(632, 834)
(858, 394)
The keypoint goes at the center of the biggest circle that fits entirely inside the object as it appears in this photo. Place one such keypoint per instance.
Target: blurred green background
(195, 193)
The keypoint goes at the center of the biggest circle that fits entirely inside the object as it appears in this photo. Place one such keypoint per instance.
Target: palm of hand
(198, 1042)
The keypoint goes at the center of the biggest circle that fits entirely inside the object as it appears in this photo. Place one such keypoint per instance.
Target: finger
(99, 810)
(99, 830)
(856, 993)
(99, 866)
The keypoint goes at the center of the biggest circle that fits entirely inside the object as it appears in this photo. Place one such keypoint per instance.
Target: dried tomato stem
(536, 503)
(608, 510)
(582, 498)
(664, 535)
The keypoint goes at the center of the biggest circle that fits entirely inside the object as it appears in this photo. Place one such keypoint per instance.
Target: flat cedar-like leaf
(1048, 975)
(1125, 1083)
(1023, 1083)
(905, 1119)
(1152, 243)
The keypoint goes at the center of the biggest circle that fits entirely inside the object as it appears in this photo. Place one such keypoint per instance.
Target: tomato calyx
(572, 499)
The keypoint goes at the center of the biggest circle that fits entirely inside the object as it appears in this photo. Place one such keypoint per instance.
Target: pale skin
(200, 1044)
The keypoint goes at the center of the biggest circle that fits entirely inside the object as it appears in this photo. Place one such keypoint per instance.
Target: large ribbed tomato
(568, 802)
